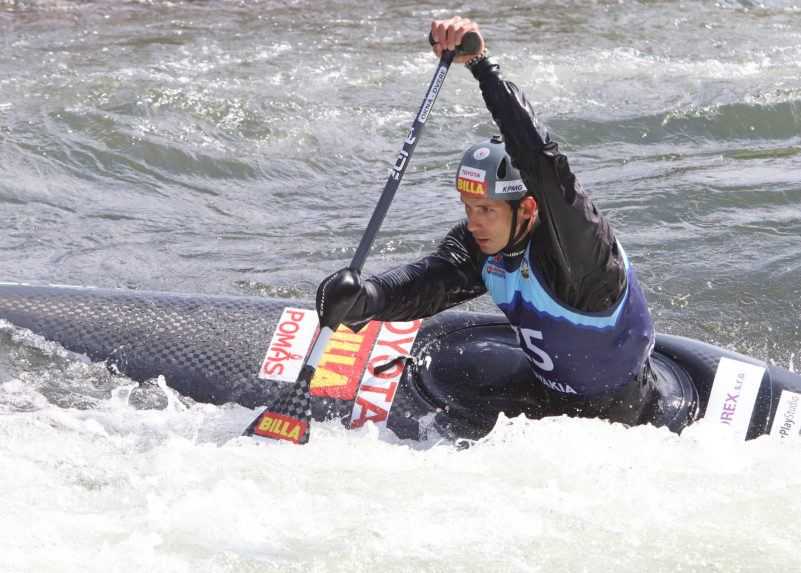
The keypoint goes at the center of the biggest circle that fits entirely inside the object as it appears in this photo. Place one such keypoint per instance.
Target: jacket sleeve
(445, 278)
(578, 254)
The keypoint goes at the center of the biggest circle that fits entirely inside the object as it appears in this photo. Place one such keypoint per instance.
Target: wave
(780, 121)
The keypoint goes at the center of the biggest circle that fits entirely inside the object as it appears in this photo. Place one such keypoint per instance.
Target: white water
(119, 489)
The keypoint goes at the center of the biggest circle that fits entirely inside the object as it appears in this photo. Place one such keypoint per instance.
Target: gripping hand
(336, 296)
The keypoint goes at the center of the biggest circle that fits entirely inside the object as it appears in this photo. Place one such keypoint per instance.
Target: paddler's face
(489, 221)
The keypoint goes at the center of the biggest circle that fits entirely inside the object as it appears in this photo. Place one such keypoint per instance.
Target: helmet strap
(514, 237)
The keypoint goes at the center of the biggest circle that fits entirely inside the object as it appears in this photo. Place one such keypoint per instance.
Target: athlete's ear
(528, 207)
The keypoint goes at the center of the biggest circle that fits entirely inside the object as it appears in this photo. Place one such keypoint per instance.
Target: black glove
(337, 295)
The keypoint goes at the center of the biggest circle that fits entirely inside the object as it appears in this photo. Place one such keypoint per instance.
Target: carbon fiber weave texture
(207, 347)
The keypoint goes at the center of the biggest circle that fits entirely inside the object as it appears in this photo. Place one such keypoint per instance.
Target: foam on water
(176, 490)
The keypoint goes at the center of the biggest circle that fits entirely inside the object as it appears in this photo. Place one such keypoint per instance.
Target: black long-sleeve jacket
(574, 247)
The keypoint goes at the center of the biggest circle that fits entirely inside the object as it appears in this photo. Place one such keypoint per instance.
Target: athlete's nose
(472, 224)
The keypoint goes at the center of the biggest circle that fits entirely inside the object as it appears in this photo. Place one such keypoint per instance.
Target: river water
(238, 147)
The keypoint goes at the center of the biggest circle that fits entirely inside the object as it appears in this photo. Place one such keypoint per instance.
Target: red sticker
(281, 427)
(343, 362)
(377, 391)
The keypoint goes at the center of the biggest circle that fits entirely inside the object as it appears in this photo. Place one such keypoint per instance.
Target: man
(537, 244)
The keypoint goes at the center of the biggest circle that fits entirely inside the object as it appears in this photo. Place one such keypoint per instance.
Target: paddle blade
(289, 417)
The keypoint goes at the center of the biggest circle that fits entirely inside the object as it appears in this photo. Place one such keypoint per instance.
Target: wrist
(477, 59)
(481, 66)
(373, 298)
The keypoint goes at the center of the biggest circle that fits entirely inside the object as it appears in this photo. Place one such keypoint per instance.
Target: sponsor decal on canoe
(341, 366)
(506, 187)
(472, 174)
(281, 427)
(343, 362)
(377, 390)
(734, 393)
(470, 187)
(291, 340)
(786, 421)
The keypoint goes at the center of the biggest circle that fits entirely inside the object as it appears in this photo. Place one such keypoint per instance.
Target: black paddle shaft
(470, 44)
(288, 418)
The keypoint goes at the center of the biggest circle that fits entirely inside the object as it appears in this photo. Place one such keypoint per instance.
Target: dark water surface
(239, 147)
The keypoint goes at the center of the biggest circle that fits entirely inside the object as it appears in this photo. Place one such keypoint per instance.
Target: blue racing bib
(573, 352)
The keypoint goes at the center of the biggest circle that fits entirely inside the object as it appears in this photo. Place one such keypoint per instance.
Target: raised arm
(579, 256)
